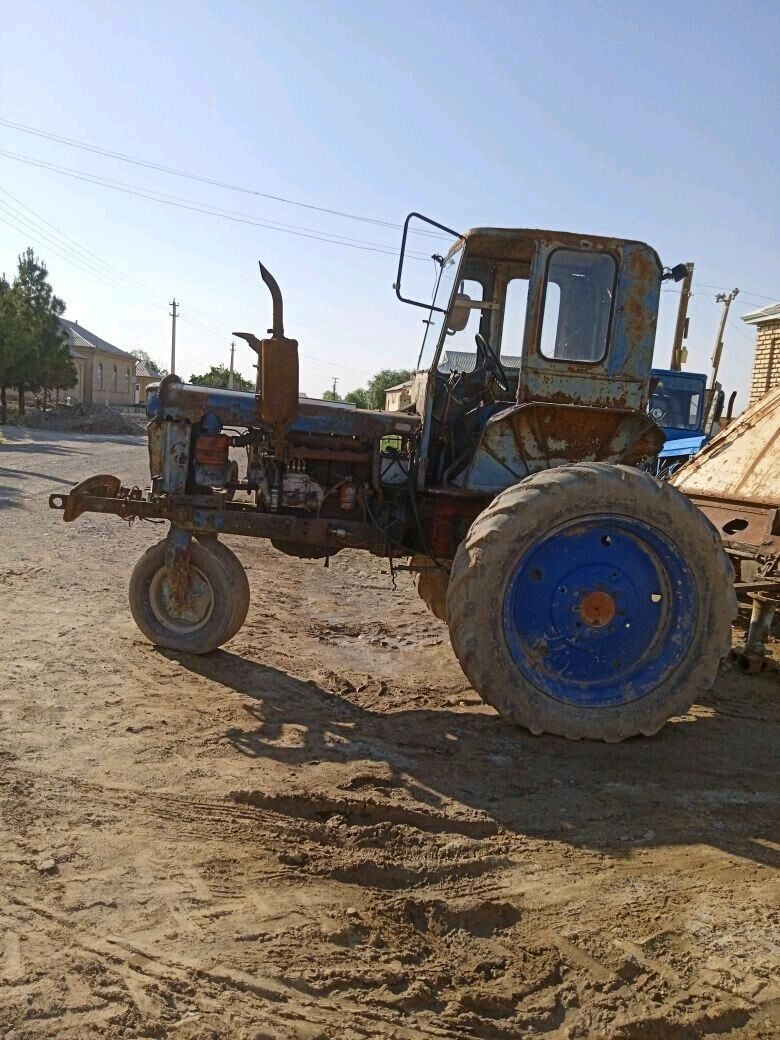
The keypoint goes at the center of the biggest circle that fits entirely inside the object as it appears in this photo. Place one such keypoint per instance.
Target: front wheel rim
(600, 612)
(197, 610)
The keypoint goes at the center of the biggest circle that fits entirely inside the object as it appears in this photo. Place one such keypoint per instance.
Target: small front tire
(216, 606)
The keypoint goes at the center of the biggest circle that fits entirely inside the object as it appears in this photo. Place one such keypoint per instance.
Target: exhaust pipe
(277, 369)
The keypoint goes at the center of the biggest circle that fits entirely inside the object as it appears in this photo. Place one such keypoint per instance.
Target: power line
(73, 241)
(744, 292)
(148, 164)
(91, 264)
(196, 207)
(72, 258)
(189, 175)
(153, 300)
(722, 288)
(758, 296)
(47, 241)
(92, 268)
(65, 251)
(736, 328)
(711, 327)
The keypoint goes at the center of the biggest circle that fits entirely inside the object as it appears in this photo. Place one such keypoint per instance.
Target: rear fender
(528, 438)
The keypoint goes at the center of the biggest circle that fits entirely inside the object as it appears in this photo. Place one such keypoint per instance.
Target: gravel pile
(84, 418)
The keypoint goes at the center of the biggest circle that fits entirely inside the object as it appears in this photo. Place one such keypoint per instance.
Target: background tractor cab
(576, 315)
(678, 403)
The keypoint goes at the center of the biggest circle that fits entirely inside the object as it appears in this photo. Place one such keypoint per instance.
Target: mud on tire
(591, 601)
(431, 583)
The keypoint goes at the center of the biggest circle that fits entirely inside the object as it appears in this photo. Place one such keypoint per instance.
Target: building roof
(78, 341)
(466, 361)
(401, 386)
(771, 313)
(143, 371)
(81, 337)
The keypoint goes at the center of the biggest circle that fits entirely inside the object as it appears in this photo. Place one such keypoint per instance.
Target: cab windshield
(443, 288)
(677, 402)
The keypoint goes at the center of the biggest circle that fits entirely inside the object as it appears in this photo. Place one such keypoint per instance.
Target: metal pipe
(681, 328)
(277, 331)
(760, 622)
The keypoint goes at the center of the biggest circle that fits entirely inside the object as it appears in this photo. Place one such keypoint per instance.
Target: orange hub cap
(597, 609)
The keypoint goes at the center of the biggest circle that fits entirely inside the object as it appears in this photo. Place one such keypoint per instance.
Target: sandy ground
(320, 832)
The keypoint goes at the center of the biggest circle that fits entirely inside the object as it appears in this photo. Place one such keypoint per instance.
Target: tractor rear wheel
(431, 583)
(591, 601)
(217, 601)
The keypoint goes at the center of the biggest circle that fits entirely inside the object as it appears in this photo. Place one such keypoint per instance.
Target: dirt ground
(320, 832)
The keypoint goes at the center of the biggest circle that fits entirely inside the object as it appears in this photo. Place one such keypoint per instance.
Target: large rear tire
(216, 608)
(591, 601)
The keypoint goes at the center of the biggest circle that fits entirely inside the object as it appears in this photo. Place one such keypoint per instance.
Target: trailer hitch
(102, 485)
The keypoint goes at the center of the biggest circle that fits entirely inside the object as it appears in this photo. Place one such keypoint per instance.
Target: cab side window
(579, 294)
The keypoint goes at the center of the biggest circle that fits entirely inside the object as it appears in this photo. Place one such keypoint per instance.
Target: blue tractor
(679, 405)
(584, 597)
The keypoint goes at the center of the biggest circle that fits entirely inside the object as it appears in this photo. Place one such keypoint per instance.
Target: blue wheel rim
(600, 611)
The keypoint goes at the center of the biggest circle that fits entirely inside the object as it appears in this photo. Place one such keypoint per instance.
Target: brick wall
(766, 366)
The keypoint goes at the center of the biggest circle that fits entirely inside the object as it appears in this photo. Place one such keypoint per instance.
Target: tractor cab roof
(519, 244)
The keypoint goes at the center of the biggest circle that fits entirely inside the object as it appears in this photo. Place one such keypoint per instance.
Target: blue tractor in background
(583, 596)
(679, 405)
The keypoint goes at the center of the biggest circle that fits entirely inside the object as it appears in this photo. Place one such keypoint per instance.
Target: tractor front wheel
(591, 601)
(215, 605)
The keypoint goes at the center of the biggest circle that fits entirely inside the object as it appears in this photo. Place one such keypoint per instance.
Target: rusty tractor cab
(583, 596)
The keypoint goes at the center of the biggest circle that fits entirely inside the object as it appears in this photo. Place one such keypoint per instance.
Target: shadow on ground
(687, 785)
(43, 442)
(36, 448)
(9, 496)
(16, 473)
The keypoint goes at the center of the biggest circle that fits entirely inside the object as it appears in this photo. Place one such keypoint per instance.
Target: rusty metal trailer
(735, 481)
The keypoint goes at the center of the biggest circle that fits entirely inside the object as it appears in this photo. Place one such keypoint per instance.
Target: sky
(653, 122)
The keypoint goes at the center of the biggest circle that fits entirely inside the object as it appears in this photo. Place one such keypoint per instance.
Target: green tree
(55, 369)
(375, 391)
(372, 396)
(44, 360)
(218, 376)
(358, 397)
(13, 337)
(151, 364)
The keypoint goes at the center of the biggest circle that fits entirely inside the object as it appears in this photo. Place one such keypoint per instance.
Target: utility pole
(726, 299)
(335, 381)
(232, 355)
(681, 329)
(174, 314)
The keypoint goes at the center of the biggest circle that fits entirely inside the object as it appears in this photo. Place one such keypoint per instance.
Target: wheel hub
(597, 609)
(192, 612)
(600, 611)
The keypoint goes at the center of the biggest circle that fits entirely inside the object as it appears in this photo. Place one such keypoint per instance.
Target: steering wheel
(660, 406)
(492, 361)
